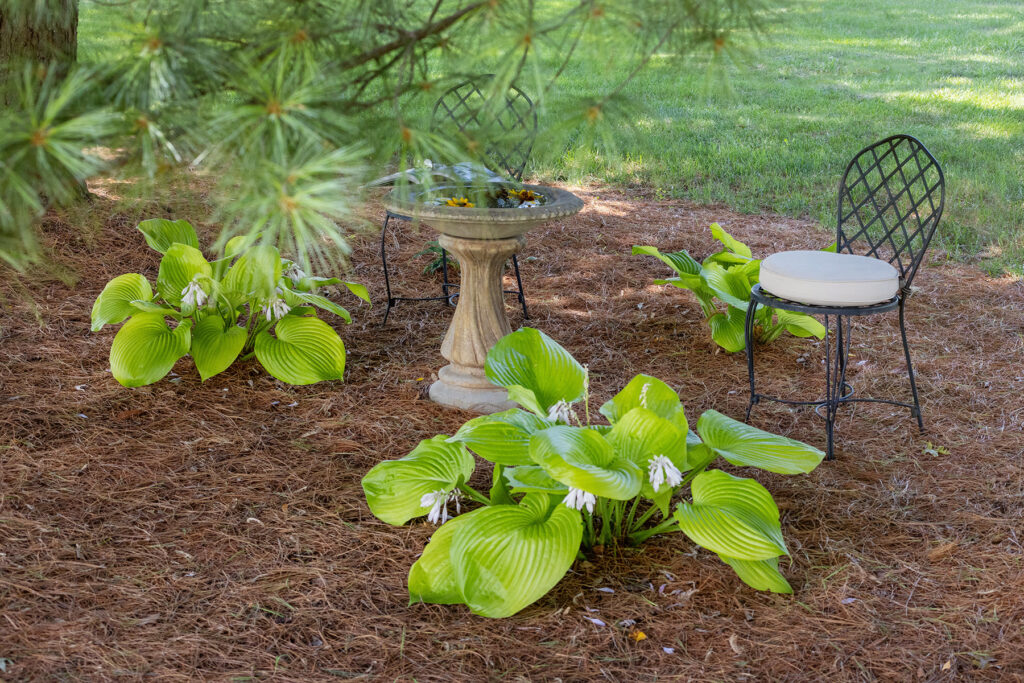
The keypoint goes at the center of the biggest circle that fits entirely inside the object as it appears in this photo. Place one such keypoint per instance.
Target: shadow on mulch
(218, 530)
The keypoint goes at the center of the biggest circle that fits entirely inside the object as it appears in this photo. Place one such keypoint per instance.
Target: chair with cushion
(890, 201)
(513, 129)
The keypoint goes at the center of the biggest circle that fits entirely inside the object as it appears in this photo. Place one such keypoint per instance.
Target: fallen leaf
(637, 635)
(947, 665)
(735, 644)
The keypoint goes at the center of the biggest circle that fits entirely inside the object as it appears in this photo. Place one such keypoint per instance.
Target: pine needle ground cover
(218, 530)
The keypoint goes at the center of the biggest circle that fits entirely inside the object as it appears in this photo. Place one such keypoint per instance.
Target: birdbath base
(469, 392)
(479, 322)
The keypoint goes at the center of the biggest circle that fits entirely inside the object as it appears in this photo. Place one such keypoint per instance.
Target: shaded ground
(218, 530)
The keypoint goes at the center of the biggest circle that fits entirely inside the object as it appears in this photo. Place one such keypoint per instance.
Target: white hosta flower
(294, 273)
(277, 308)
(438, 501)
(661, 470)
(193, 295)
(577, 499)
(560, 412)
(643, 394)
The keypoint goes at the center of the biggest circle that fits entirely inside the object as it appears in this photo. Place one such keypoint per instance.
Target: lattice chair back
(890, 200)
(511, 129)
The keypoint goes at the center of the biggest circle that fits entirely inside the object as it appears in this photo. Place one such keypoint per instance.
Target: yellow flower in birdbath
(459, 201)
(525, 195)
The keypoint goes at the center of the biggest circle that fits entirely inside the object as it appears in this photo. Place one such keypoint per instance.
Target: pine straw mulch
(218, 530)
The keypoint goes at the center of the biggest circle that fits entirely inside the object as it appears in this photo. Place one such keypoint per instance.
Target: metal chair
(461, 107)
(891, 198)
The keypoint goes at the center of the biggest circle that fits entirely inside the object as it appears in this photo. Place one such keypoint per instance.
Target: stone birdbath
(482, 239)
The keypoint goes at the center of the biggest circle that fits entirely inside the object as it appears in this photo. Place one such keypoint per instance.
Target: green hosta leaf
(161, 233)
(237, 245)
(800, 324)
(727, 329)
(726, 259)
(359, 290)
(640, 436)
(298, 298)
(143, 306)
(220, 267)
(732, 516)
(742, 444)
(394, 488)
(679, 261)
(215, 348)
(690, 275)
(659, 398)
(762, 575)
(533, 479)
(508, 556)
(545, 371)
(309, 284)
(432, 576)
(729, 242)
(304, 351)
(750, 270)
(180, 264)
(255, 274)
(114, 304)
(145, 349)
(502, 438)
(583, 459)
(731, 286)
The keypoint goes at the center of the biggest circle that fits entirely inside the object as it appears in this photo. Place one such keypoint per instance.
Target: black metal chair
(891, 198)
(515, 123)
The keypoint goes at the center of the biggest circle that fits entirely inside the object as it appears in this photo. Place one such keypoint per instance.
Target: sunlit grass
(833, 77)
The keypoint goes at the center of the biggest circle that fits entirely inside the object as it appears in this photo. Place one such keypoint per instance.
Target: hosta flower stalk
(578, 499)
(662, 471)
(193, 295)
(437, 503)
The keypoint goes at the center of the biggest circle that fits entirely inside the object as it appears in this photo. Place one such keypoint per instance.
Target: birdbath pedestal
(482, 239)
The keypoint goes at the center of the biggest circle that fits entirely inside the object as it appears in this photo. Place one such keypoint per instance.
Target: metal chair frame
(887, 198)
(455, 106)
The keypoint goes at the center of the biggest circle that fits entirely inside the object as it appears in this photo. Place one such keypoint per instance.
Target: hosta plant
(727, 276)
(249, 302)
(564, 483)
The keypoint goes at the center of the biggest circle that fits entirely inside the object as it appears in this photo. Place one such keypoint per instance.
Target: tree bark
(44, 31)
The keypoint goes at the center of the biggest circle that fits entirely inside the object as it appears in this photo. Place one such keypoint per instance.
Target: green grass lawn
(831, 77)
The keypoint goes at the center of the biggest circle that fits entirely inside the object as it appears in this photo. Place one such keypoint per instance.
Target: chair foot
(387, 311)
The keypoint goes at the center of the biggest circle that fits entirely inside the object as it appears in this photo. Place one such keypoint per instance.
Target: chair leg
(519, 283)
(384, 262)
(444, 274)
(748, 339)
(916, 411)
(835, 377)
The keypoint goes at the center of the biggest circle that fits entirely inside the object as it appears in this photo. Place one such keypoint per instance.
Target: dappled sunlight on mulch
(216, 530)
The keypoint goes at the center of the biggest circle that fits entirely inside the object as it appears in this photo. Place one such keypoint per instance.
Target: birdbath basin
(482, 239)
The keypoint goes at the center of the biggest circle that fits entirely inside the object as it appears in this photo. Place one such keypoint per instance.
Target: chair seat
(821, 278)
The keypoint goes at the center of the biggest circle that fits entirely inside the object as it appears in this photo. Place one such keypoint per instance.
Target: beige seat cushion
(822, 278)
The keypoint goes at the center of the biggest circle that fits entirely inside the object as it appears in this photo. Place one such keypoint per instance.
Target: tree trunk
(44, 31)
